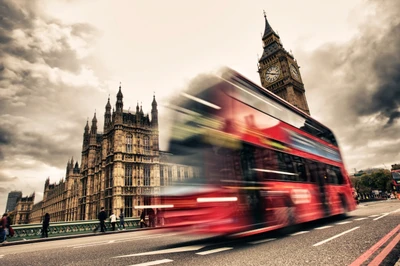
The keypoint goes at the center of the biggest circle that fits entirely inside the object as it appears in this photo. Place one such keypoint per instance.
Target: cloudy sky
(60, 60)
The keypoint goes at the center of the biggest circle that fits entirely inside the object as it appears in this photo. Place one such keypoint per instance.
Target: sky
(61, 60)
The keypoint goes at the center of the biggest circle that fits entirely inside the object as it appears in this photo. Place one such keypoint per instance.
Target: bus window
(300, 169)
(313, 167)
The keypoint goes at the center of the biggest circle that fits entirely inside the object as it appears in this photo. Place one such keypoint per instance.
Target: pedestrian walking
(142, 219)
(122, 220)
(152, 218)
(3, 228)
(113, 220)
(45, 225)
(160, 217)
(102, 216)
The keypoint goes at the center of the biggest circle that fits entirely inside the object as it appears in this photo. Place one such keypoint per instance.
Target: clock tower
(279, 72)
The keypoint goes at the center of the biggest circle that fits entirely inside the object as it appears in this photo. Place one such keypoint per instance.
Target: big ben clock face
(294, 72)
(272, 73)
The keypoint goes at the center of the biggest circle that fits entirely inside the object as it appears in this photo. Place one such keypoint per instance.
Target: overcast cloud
(59, 62)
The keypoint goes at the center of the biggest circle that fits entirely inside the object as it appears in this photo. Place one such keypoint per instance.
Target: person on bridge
(3, 225)
(142, 219)
(122, 220)
(102, 216)
(113, 220)
(46, 224)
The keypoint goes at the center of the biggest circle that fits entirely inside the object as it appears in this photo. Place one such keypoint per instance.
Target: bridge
(32, 231)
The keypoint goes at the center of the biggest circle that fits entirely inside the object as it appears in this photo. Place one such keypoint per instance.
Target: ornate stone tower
(279, 72)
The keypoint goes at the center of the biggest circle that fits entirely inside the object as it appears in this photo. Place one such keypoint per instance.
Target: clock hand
(271, 73)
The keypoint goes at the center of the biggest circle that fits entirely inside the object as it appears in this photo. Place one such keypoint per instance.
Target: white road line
(336, 236)
(323, 227)
(360, 219)
(299, 233)
(381, 216)
(347, 222)
(398, 210)
(155, 262)
(213, 251)
(375, 215)
(114, 241)
(262, 241)
(163, 251)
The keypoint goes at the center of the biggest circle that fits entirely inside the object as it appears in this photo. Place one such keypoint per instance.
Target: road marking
(398, 210)
(262, 241)
(213, 251)
(163, 251)
(114, 241)
(374, 248)
(156, 262)
(386, 214)
(381, 256)
(336, 236)
(323, 227)
(360, 219)
(375, 215)
(299, 233)
(347, 222)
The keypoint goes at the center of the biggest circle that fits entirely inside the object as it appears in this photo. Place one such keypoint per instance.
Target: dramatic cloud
(355, 88)
(46, 90)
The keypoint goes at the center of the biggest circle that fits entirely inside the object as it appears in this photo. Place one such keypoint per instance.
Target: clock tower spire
(279, 72)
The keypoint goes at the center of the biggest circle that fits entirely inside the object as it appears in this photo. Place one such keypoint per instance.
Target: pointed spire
(94, 117)
(119, 94)
(119, 105)
(137, 107)
(108, 105)
(87, 126)
(154, 103)
(141, 109)
(268, 29)
(94, 124)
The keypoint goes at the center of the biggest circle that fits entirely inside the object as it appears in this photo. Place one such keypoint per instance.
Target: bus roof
(324, 134)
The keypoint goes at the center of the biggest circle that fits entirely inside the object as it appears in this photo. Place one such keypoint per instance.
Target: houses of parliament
(122, 167)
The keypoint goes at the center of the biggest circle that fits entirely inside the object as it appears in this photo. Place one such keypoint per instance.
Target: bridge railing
(29, 231)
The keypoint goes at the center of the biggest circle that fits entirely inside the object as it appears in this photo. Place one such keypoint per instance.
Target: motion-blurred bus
(259, 163)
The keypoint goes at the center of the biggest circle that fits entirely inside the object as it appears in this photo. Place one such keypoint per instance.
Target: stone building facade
(279, 71)
(22, 211)
(121, 167)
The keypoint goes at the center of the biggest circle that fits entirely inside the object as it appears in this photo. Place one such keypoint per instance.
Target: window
(147, 175)
(334, 175)
(161, 176)
(128, 206)
(109, 178)
(169, 175)
(129, 143)
(178, 170)
(128, 175)
(146, 144)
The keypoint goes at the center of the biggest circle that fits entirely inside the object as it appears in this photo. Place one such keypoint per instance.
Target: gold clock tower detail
(279, 72)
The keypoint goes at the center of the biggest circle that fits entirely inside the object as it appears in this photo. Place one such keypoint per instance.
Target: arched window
(129, 143)
(146, 144)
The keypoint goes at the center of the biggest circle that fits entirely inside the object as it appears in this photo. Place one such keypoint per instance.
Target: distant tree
(377, 180)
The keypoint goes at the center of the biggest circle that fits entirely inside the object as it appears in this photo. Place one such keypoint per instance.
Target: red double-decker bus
(259, 162)
(396, 181)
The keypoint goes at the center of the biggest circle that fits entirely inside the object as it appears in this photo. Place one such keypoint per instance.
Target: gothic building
(279, 71)
(121, 167)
